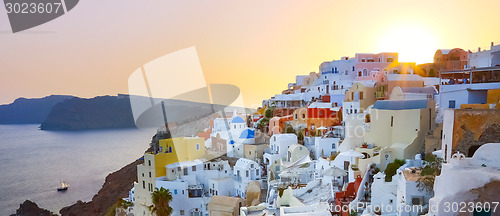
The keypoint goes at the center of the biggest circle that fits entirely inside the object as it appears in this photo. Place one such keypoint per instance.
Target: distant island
(94, 113)
(63, 112)
(29, 111)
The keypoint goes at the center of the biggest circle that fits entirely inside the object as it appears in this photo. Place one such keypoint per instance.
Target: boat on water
(64, 186)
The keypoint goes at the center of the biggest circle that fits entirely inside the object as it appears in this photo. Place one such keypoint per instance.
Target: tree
(161, 200)
(269, 113)
(426, 180)
(300, 136)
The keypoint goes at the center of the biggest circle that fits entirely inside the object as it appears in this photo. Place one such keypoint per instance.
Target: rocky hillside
(116, 186)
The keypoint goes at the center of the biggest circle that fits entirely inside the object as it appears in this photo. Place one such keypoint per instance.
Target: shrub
(390, 171)
(400, 162)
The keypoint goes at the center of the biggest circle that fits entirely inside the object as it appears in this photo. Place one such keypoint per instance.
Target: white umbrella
(352, 153)
(287, 174)
(322, 128)
(335, 171)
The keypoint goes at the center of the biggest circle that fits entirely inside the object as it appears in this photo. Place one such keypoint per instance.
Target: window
(194, 168)
(249, 152)
(197, 146)
(175, 191)
(234, 126)
(149, 174)
(392, 121)
(251, 165)
(149, 162)
(182, 212)
(178, 169)
(415, 201)
(257, 172)
(361, 95)
(246, 173)
(352, 69)
(451, 104)
(169, 149)
(142, 174)
(363, 60)
(390, 59)
(143, 185)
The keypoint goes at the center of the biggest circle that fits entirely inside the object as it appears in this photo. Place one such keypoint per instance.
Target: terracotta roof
(412, 174)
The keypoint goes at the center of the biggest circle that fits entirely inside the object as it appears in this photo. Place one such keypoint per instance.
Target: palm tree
(161, 199)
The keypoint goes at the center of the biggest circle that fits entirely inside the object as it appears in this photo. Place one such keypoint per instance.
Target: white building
(400, 193)
(236, 133)
(187, 196)
(485, 58)
(245, 170)
(222, 187)
(325, 146)
(461, 176)
(279, 144)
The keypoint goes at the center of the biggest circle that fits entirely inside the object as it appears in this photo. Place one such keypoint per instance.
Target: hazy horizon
(259, 46)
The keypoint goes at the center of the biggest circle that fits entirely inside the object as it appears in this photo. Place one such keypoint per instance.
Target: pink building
(383, 62)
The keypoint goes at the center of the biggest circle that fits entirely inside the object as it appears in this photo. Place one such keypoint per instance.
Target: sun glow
(414, 43)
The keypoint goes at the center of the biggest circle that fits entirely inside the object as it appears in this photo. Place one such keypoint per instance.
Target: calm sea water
(33, 162)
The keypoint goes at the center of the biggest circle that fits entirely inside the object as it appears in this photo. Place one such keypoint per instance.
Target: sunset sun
(414, 43)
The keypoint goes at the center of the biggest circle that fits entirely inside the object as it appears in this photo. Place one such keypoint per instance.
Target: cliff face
(29, 111)
(116, 186)
(95, 113)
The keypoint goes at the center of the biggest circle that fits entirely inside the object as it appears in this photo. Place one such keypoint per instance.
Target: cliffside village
(366, 135)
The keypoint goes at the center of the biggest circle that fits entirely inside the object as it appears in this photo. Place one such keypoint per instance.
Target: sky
(257, 45)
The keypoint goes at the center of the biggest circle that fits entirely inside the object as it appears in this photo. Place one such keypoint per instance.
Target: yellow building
(170, 151)
(178, 149)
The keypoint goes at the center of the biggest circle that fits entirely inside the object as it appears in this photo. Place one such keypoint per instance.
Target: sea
(34, 162)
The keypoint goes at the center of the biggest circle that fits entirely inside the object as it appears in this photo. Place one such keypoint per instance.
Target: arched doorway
(472, 150)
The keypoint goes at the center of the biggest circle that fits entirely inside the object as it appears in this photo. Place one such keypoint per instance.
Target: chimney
(492, 44)
(479, 49)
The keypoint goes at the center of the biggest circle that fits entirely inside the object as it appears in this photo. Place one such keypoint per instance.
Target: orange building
(277, 124)
(322, 115)
(454, 59)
